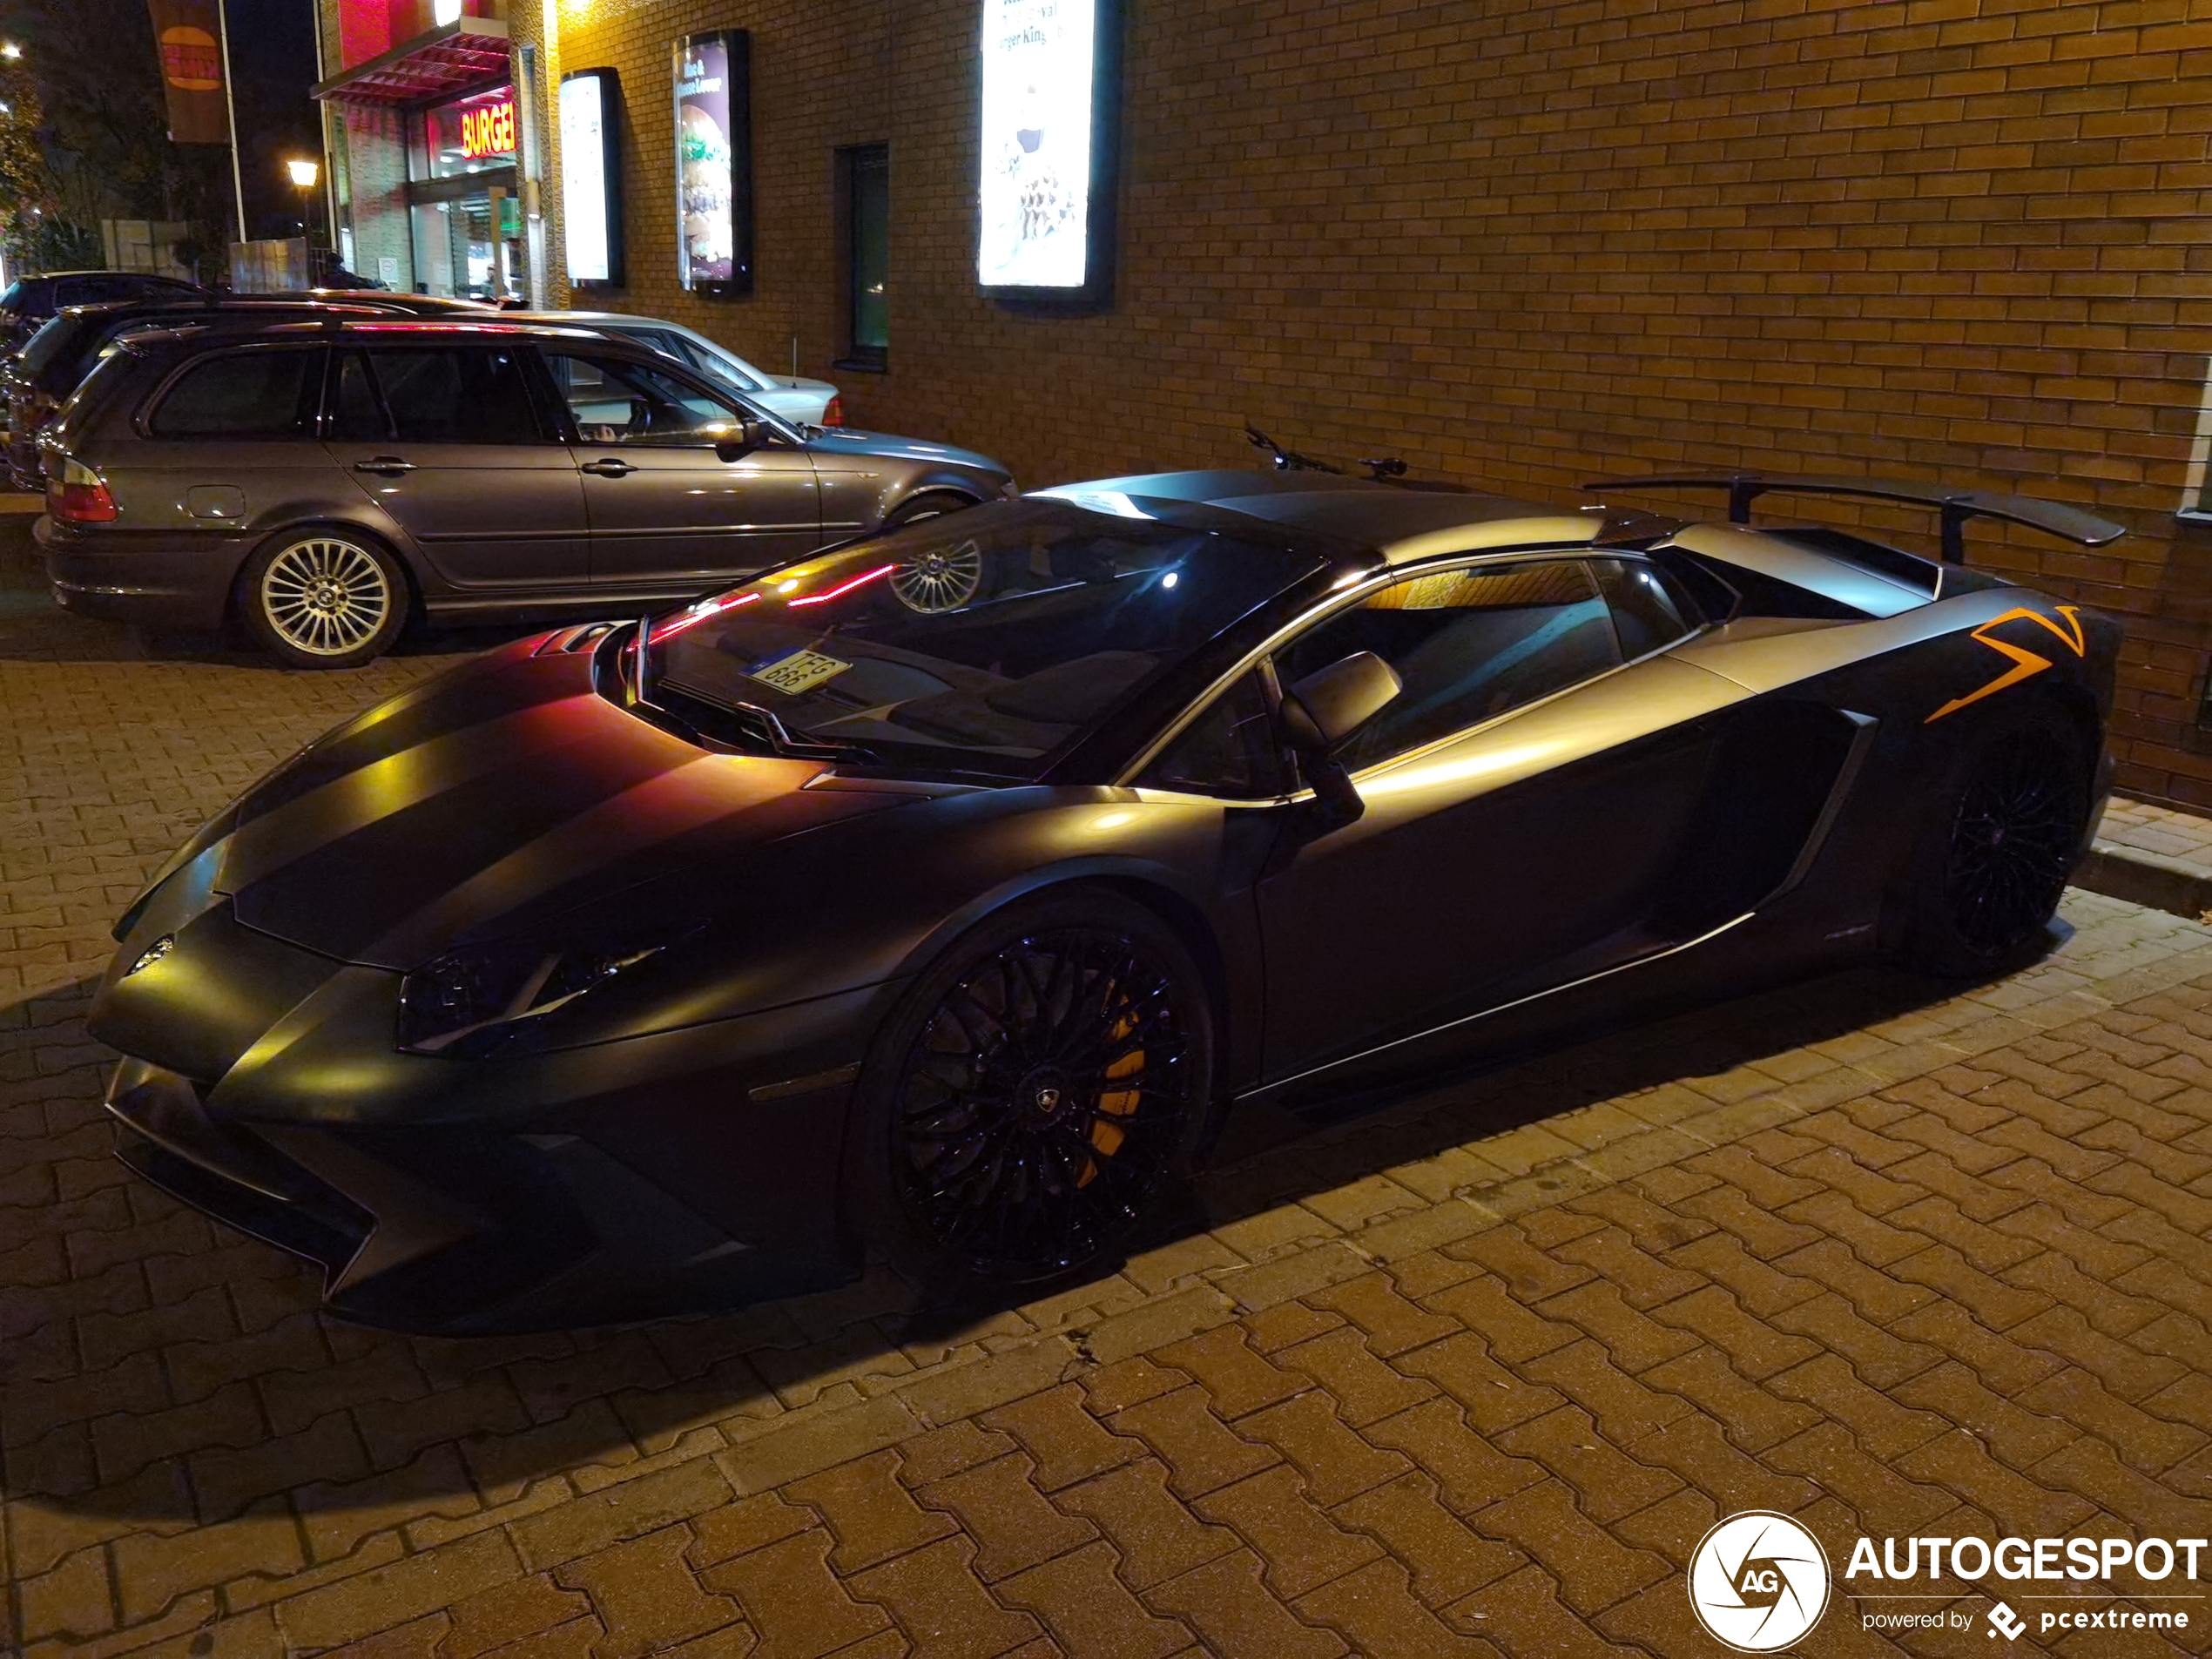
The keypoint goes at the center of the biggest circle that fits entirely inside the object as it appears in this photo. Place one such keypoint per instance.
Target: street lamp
(9, 51)
(304, 173)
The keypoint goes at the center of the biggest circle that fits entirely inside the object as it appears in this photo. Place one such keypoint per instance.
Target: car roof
(1399, 523)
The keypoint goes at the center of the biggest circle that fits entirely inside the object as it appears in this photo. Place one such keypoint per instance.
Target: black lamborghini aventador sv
(946, 893)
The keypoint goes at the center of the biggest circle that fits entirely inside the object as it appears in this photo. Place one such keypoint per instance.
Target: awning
(450, 59)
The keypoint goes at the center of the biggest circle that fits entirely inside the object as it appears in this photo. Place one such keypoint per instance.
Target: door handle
(609, 467)
(384, 466)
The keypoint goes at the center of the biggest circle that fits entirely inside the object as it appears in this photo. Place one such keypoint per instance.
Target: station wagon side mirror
(738, 445)
(1327, 706)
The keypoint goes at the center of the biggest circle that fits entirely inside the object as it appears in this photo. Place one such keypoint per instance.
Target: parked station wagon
(318, 483)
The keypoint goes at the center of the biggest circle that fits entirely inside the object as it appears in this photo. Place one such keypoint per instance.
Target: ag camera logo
(1758, 1581)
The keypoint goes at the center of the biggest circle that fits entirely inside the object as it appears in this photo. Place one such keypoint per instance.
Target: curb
(2152, 879)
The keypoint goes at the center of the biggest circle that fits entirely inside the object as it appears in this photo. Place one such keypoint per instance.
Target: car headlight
(469, 1002)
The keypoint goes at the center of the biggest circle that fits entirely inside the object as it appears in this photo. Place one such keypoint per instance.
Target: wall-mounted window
(864, 190)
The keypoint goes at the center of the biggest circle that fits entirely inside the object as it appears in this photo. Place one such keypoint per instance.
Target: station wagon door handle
(607, 468)
(384, 466)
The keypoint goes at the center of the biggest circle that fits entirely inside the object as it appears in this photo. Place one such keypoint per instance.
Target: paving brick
(1000, 1506)
(1469, 1468)
(513, 1612)
(1753, 1346)
(587, 1525)
(1882, 1360)
(952, 1448)
(1336, 1462)
(385, 1596)
(1510, 1331)
(1078, 1599)
(938, 1602)
(1155, 1537)
(1959, 1461)
(749, 1524)
(1447, 1559)
(1381, 1617)
(1238, 1380)
(1523, 1614)
(1236, 1617)
(1493, 1397)
(1391, 1323)
(2145, 1442)
(1751, 1417)
(1201, 1453)
(869, 1511)
(1301, 1544)
(151, 1571)
(648, 1602)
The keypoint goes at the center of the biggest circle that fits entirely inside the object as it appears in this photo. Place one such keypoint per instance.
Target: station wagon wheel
(323, 599)
(2001, 843)
(1043, 1089)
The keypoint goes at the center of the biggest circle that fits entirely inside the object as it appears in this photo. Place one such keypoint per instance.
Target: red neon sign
(489, 130)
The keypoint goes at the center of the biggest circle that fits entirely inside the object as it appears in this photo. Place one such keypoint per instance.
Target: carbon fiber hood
(494, 801)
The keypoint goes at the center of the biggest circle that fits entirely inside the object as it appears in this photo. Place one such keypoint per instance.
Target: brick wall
(1527, 244)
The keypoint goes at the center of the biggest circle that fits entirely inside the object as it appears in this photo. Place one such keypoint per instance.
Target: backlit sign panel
(1047, 121)
(591, 177)
(714, 162)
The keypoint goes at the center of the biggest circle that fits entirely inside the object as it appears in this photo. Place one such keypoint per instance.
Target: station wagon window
(470, 394)
(1231, 750)
(259, 393)
(1468, 644)
(613, 401)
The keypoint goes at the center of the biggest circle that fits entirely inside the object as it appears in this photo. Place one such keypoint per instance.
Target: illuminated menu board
(1045, 191)
(714, 162)
(591, 177)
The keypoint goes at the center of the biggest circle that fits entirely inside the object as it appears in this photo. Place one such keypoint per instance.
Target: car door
(447, 438)
(228, 442)
(1523, 800)
(670, 516)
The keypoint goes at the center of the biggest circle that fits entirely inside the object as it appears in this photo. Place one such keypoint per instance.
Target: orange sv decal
(2026, 663)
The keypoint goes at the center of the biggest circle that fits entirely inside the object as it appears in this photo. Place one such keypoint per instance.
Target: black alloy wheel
(1051, 1088)
(2013, 836)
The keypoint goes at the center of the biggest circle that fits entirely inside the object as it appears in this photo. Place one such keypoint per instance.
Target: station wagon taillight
(75, 494)
(833, 412)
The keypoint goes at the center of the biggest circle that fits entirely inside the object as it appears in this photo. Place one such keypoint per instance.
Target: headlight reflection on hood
(469, 1000)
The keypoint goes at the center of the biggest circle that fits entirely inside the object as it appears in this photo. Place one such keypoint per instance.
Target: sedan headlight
(471, 1001)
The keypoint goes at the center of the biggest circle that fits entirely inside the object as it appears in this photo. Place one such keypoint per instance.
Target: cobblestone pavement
(1471, 1378)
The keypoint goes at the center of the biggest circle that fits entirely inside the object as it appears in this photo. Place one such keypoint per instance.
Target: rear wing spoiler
(1957, 506)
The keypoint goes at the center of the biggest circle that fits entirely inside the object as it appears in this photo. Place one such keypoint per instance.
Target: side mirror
(742, 443)
(1329, 704)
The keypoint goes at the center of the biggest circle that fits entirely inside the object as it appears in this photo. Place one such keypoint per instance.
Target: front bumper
(687, 1169)
(454, 1230)
(154, 578)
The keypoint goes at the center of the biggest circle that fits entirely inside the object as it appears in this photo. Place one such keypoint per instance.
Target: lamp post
(304, 174)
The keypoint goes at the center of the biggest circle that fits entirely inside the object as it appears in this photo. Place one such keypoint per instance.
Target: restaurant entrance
(463, 203)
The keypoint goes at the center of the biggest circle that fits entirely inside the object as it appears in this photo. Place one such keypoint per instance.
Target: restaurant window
(864, 184)
(463, 197)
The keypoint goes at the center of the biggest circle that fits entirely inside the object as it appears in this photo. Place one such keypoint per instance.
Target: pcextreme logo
(1758, 1581)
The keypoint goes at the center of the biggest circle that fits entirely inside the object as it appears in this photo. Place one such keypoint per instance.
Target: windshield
(982, 641)
(47, 343)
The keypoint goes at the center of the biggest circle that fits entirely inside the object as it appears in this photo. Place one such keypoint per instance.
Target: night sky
(273, 54)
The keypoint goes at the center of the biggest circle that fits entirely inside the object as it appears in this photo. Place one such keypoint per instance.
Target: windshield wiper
(767, 729)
